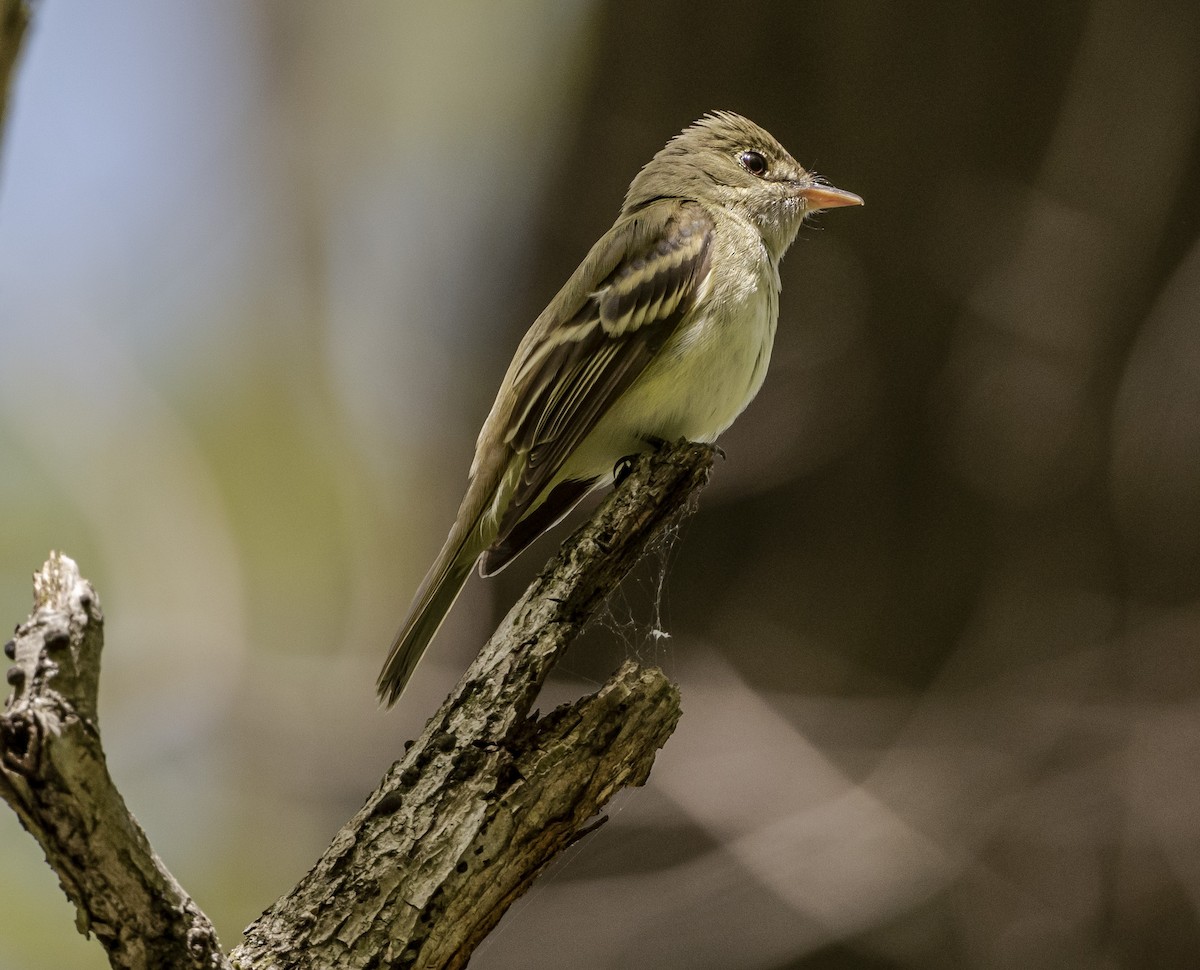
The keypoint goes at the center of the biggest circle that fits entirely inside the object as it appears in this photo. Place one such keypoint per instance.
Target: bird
(663, 332)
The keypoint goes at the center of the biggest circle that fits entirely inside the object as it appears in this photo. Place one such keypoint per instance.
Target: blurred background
(936, 622)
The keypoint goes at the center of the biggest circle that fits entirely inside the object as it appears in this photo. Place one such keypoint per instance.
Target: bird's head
(729, 160)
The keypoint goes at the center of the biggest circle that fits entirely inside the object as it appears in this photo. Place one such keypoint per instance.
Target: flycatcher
(663, 332)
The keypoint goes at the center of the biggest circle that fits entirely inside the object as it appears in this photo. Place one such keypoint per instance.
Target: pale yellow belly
(700, 382)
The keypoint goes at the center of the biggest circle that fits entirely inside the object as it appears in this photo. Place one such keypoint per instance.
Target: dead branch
(458, 828)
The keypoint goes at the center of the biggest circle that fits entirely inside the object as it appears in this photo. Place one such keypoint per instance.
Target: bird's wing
(570, 377)
(591, 342)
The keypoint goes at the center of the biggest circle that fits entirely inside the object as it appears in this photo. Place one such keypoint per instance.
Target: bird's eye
(754, 163)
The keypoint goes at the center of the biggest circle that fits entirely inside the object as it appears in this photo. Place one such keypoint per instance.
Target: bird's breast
(712, 367)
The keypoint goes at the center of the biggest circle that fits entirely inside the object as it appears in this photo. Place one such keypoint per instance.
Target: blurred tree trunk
(14, 20)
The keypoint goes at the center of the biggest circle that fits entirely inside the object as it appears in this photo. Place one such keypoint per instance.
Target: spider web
(637, 613)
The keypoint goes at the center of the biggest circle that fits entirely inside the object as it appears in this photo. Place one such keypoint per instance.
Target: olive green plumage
(663, 332)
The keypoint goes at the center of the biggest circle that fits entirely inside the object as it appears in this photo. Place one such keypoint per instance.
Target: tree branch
(486, 796)
(53, 774)
(457, 830)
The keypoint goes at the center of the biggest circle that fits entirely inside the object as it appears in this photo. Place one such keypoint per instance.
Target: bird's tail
(437, 594)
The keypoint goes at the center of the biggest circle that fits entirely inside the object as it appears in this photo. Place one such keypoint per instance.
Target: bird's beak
(818, 197)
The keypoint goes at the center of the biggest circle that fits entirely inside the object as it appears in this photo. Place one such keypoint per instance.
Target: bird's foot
(622, 469)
